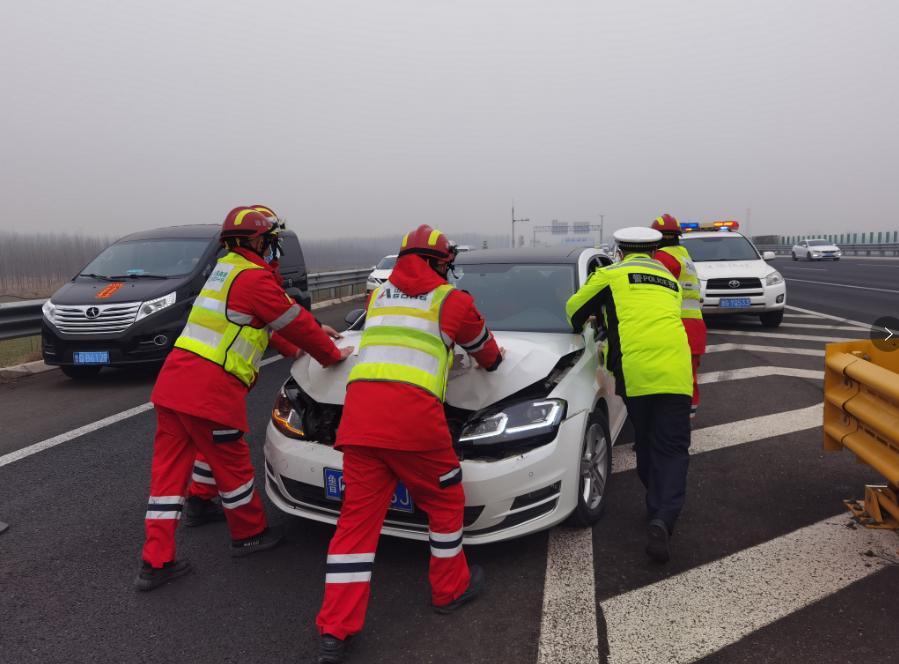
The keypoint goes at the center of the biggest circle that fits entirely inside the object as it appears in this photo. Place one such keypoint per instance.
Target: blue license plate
(92, 357)
(334, 488)
(735, 302)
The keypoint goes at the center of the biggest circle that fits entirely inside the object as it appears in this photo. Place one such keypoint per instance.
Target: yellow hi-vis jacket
(691, 306)
(403, 342)
(220, 335)
(640, 305)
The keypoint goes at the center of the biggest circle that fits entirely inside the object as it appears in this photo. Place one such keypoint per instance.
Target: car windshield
(158, 258)
(723, 247)
(519, 298)
(817, 243)
(386, 263)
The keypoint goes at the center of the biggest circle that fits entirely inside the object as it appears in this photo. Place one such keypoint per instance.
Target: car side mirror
(769, 256)
(354, 317)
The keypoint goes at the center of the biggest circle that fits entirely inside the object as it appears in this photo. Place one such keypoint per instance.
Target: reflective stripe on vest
(402, 341)
(689, 281)
(220, 336)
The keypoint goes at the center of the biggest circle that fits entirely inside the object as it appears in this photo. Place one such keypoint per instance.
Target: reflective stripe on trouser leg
(173, 456)
(369, 486)
(445, 545)
(202, 485)
(202, 473)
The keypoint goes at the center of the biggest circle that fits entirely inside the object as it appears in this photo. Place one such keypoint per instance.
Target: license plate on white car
(91, 357)
(735, 303)
(401, 501)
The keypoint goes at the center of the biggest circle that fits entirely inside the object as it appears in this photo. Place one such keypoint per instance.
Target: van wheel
(772, 318)
(81, 373)
(595, 470)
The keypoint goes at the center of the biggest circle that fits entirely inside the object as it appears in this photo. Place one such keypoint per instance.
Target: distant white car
(380, 273)
(814, 249)
(534, 437)
(735, 278)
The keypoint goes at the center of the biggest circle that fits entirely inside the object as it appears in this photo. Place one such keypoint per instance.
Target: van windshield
(145, 258)
(722, 247)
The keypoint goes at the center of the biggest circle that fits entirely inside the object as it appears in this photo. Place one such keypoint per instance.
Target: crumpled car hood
(530, 356)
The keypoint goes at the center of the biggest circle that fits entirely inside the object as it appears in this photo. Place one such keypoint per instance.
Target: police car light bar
(733, 225)
(689, 226)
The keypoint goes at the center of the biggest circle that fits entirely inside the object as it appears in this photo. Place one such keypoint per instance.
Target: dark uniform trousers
(662, 431)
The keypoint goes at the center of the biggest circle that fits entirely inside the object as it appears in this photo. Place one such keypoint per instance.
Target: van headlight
(153, 306)
(774, 278)
(521, 425)
(49, 311)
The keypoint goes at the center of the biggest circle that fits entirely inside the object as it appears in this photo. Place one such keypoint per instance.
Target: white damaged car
(534, 437)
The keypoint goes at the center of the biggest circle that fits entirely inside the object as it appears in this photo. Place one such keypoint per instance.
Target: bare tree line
(36, 264)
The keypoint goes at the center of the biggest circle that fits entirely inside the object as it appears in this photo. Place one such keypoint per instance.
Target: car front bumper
(768, 298)
(504, 499)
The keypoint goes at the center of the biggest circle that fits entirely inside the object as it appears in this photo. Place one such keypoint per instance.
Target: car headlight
(520, 425)
(774, 278)
(285, 416)
(49, 311)
(299, 416)
(158, 304)
(838, 252)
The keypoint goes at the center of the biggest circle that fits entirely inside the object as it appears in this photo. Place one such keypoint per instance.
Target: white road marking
(720, 436)
(818, 326)
(707, 608)
(717, 348)
(830, 283)
(800, 315)
(818, 314)
(568, 626)
(777, 335)
(757, 372)
(88, 428)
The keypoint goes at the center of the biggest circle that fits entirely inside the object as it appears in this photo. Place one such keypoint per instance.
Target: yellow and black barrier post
(861, 414)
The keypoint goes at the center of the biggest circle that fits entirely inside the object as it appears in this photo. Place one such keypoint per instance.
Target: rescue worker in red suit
(394, 429)
(200, 395)
(674, 256)
(203, 504)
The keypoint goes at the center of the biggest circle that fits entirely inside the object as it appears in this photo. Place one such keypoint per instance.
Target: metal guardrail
(861, 414)
(885, 249)
(23, 319)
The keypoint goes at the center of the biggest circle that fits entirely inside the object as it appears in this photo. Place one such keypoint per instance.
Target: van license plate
(735, 302)
(93, 357)
(401, 501)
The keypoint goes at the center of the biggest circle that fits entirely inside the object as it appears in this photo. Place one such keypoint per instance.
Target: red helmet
(666, 224)
(245, 222)
(425, 241)
(266, 210)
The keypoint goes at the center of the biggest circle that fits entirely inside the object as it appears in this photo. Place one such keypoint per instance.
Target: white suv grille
(103, 318)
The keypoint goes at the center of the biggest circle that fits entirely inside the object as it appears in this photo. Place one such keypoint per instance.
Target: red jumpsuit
(201, 408)
(407, 439)
(695, 327)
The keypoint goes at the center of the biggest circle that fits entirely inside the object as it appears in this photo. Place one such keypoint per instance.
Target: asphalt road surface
(766, 566)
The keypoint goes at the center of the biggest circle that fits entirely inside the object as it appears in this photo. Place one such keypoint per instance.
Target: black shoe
(199, 512)
(152, 577)
(475, 587)
(331, 650)
(267, 539)
(657, 541)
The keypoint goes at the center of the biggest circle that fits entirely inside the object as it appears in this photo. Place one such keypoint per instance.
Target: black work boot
(331, 650)
(657, 541)
(476, 585)
(267, 539)
(152, 577)
(199, 512)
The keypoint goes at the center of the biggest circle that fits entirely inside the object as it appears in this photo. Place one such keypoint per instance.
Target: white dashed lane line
(757, 372)
(777, 335)
(718, 348)
(710, 607)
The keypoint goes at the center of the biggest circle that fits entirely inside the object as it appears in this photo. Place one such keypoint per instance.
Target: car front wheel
(595, 470)
(794, 256)
(772, 318)
(80, 373)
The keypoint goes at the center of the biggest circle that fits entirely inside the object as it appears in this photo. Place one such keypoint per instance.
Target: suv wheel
(81, 373)
(772, 318)
(595, 470)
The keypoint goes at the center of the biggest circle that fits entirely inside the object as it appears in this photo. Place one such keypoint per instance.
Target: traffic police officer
(674, 256)
(639, 305)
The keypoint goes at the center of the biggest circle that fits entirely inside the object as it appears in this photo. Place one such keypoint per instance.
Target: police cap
(637, 238)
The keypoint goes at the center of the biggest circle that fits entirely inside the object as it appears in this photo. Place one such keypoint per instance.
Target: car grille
(741, 284)
(109, 318)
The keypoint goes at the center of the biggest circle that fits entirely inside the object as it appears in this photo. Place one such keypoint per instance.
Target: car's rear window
(723, 247)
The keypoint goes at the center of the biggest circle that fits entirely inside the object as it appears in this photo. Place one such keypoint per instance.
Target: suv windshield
(386, 263)
(723, 247)
(519, 298)
(817, 243)
(161, 258)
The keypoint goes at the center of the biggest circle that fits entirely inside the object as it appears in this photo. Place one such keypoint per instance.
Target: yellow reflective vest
(221, 335)
(640, 306)
(402, 341)
(691, 307)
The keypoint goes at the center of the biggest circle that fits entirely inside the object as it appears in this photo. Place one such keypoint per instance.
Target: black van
(131, 302)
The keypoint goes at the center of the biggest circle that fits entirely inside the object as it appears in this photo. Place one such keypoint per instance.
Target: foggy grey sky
(365, 118)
